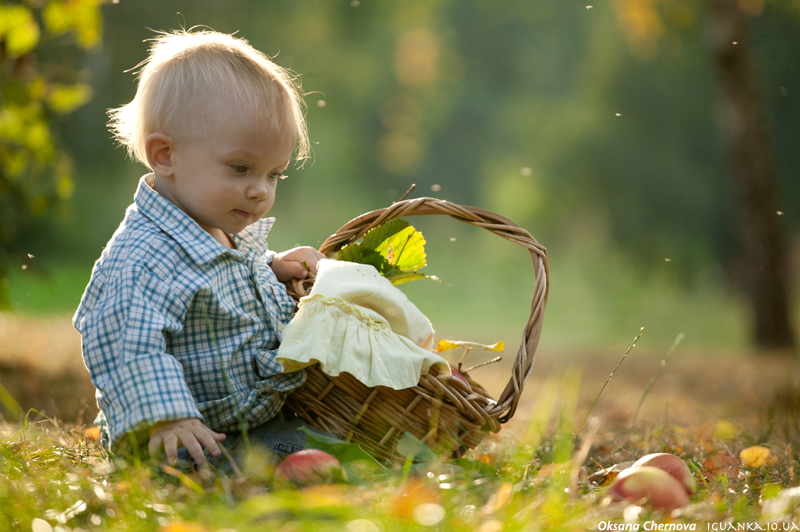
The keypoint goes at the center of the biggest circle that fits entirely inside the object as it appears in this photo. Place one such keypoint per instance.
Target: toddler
(184, 312)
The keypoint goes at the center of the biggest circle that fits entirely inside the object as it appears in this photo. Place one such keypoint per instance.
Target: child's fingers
(154, 445)
(193, 446)
(171, 448)
(208, 441)
(296, 270)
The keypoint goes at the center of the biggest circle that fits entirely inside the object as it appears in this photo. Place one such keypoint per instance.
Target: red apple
(657, 487)
(672, 465)
(457, 374)
(306, 467)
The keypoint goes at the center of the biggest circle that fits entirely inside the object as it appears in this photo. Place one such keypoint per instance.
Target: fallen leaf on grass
(93, 433)
(486, 458)
(721, 464)
(756, 456)
(183, 527)
(410, 495)
(502, 497)
(606, 476)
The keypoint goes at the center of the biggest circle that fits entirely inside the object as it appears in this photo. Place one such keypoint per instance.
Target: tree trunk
(743, 126)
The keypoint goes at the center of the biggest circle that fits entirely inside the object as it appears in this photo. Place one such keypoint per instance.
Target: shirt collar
(254, 236)
(196, 242)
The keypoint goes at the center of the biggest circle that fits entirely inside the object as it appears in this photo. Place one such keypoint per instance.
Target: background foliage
(592, 126)
(39, 83)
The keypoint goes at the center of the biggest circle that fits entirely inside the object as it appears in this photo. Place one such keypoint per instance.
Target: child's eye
(277, 175)
(239, 168)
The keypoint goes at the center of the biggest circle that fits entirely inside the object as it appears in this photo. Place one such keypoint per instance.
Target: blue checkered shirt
(175, 325)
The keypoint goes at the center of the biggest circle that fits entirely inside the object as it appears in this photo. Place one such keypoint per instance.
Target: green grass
(534, 481)
(51, 289)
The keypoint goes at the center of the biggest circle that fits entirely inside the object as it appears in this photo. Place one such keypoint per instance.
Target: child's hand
(190, 433)
(296, 263)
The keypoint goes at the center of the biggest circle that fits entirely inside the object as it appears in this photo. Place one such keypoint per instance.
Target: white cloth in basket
(356, 321)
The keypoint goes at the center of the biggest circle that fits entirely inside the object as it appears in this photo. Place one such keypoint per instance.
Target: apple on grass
(655, 486)
(672, 465)
(307, 467)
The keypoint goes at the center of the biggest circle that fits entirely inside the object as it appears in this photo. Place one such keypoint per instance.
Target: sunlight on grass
(54, 475)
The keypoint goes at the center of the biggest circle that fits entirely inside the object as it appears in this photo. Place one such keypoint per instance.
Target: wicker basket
(441, 410)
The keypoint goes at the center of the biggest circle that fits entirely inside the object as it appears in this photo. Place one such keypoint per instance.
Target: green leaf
(413, 449)
(395, 248)
(357, 463)
(378, 235)
(405, 250)
(366, 252)
(358, 253)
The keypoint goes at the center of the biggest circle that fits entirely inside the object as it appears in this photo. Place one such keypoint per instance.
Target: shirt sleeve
(124, 340)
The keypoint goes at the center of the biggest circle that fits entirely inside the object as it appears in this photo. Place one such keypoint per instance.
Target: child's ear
(160, 149)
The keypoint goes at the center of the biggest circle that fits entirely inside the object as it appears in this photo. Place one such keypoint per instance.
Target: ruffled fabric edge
(325, 328)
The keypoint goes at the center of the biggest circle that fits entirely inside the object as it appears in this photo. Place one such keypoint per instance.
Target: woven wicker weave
(441, 410)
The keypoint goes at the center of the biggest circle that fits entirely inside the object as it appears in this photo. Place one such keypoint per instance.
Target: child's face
(225, 168)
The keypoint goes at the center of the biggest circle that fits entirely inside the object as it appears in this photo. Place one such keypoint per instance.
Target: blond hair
(185, 69)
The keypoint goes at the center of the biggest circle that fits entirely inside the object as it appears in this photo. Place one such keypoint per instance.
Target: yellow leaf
(85, 18)
(183, 527)
(66, 98)
(446, 345)
(93, 433)
(38, 137)
(756, 456)
(55, 17)
(725, 430)
(22, 32)
(502, 497)
(411, 494)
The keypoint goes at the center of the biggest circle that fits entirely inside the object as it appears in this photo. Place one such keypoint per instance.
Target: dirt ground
(41, 367)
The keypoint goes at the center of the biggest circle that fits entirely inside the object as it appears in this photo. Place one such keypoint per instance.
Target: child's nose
(258, 191)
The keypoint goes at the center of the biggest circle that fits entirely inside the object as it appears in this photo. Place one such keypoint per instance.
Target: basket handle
(505, 407)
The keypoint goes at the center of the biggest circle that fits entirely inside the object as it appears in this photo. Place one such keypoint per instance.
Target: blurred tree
(743, 125)
(36, 174)
(744, 130)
